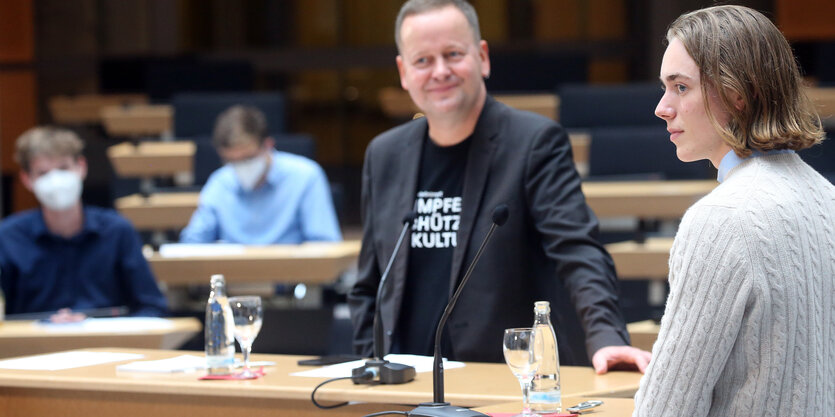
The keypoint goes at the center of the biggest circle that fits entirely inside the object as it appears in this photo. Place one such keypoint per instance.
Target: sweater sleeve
(710, 286)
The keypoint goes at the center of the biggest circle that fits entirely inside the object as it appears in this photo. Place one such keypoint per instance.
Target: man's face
(683, 108)
(440, 63)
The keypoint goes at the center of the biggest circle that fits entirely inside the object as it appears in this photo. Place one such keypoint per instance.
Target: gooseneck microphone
(382, 370)
(438, 407)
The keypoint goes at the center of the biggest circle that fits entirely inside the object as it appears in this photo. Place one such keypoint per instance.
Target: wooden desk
(27, 338)
(612, 407)
(101, 390)
(86, 108)
(824, 98)
(580, 143)
(151, 159)
(647, 199)
(138, 120)
(648, 260)
(547, 105)
(643, 333)
(159, 211)
(310, 263)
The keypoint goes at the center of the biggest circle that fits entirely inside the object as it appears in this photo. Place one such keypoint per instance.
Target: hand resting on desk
(621, 358)
(66, 315)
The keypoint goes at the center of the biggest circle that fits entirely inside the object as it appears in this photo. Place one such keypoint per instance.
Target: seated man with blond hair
(65, 255)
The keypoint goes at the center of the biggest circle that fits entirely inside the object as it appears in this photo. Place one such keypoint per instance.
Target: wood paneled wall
(18, 106)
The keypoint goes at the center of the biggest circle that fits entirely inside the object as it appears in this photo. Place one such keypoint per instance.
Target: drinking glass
(248, 315)
(523, 355)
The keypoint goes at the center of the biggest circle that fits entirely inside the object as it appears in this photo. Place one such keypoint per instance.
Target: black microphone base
(443, 410)
(384, 372)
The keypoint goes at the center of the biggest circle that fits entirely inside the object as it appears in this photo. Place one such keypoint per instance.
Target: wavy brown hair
(738, 50)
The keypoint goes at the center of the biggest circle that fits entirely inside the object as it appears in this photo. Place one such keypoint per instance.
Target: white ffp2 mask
(250, 171)
(58, 189)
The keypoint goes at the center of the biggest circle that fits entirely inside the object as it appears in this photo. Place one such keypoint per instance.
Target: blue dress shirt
(293, 205)
(731, 160)
(101, 266)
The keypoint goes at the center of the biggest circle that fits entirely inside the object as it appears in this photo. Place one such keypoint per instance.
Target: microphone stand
(438, 407)
(383, 371)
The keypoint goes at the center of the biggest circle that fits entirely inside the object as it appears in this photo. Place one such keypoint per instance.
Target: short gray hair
(413, 7)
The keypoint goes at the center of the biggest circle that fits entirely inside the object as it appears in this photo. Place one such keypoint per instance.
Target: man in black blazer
(453, 166)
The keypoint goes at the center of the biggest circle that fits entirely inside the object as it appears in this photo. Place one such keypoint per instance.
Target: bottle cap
(542, 305)
(218, 278)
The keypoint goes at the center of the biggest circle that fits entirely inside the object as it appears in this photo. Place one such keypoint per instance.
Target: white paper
(66, 360)
(185, 250)
(421, 364)
(109, 325)
(182, 363)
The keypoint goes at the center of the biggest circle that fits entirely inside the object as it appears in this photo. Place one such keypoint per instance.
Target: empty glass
(248, 315)
(523, 355)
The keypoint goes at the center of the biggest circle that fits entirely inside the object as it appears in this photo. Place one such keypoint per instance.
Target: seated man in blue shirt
(261, 196)
(65, 255)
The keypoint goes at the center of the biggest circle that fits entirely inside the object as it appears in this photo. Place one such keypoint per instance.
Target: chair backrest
(195, 113)
(534, 71)
(639, 153)
(588, 106)
(167, 79)
(163, 77)
(822, 156)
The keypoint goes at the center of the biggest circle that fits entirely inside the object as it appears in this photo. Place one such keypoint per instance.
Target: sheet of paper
(66, 360)
(182, 363)
(421, 364)
(109, 325)
(185, 250)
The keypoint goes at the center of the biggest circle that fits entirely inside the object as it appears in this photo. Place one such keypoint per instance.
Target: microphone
(438, 407)
(383, 371)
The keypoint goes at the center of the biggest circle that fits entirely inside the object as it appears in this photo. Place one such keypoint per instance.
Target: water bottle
(220, 330)
(545, 396)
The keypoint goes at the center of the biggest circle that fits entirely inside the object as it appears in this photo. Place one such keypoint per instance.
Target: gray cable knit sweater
(749, 326)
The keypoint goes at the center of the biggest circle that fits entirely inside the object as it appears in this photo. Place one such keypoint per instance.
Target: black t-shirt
(433, 237)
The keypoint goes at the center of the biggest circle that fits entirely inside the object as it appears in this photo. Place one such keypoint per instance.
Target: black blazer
(547, 250)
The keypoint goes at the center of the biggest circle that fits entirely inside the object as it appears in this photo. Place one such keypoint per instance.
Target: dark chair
(639, 153)
(822, 156)
(163, 77)
(195, 113)
(587, 106)
(527, 71)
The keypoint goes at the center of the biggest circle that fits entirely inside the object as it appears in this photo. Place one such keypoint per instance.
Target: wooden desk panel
(647, 199)
(86, 108)
(824, 98)
(648, 260)
(138, 120)
(150, 159)
(100, 390)
(159, 211)
(643, 333)
(25, 338)
(310, 263)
